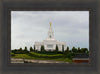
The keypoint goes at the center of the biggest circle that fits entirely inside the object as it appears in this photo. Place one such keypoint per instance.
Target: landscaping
(56, 55)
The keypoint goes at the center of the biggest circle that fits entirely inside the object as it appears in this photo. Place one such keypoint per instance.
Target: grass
(38, 56)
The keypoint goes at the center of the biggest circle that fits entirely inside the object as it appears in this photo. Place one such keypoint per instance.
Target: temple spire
(50, 24)
(50, 32)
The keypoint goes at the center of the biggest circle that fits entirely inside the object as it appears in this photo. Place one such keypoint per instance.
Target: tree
(84, 50)
(74, 50)
(14, 51)
(34, 48)
(56, 49)
(62, 48)
(67, 50)
(42, 48)
(31, 49)
(20, 51)
(25, 50)
(79, 50)
(87, 52)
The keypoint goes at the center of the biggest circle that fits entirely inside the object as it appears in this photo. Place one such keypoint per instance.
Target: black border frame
(65, 5)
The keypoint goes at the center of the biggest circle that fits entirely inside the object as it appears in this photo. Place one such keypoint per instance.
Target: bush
(12, 54)
(45, 55)
(68, 55)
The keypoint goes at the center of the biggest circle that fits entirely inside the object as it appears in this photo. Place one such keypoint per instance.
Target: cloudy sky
(30, 26)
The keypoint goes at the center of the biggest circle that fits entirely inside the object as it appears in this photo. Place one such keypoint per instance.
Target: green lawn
(38, 56)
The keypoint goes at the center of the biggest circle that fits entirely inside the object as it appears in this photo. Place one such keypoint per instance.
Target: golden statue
(50, 24)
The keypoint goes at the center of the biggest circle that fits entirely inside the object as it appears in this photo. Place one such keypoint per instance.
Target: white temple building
(50, 43)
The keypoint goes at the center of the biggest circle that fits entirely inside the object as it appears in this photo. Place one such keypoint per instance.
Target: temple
(50, 43)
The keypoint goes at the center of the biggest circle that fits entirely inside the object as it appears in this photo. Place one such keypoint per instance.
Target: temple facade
(50, 43)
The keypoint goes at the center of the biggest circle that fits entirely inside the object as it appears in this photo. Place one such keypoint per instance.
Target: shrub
(12, 54)
(46, 56)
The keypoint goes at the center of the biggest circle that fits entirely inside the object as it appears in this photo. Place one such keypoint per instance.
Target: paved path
(34, 61)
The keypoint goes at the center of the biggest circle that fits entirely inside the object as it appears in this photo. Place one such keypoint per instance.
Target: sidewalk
(13, 60)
